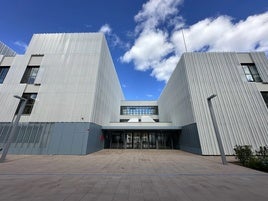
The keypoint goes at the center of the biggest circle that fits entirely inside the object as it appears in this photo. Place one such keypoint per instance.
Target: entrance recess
(141, 139)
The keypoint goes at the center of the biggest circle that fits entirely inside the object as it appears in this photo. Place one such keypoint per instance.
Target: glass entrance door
(140, 140)
(136, 140)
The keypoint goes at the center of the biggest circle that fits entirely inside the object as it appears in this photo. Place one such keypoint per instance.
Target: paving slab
(115, 175)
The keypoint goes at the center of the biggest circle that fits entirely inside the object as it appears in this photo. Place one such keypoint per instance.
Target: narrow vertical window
(30, 74)
(251, 73)
(3, 73)
(265, 97)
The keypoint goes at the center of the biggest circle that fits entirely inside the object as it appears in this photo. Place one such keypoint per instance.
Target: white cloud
(221, 34)
(159, 42)
(112, 38)
(106, 29)
(146, 52)
(21, 44)
(155, 12)
(163, 69)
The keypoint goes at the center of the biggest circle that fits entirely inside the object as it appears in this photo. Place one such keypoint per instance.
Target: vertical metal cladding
(77, 90)
(53, 138)
(5, 50)
(174, 103)
(261, 62)
(241, 114)
(108, 92)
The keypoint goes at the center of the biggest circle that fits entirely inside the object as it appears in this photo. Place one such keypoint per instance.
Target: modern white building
(76, 105)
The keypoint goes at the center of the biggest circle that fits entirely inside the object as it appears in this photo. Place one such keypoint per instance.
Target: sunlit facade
(76, 104)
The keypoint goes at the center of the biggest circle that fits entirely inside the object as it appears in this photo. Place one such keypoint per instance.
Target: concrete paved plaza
(129, 175)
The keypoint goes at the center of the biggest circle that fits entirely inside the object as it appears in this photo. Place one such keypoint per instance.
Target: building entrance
(141, 139)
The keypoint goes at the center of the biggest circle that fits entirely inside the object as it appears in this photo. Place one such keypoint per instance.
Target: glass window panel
(257, 78)
(30, 75)
(265, 97)
(30, 103)
(253, 69)
(249, 78)
(246, 70)
(3, 73)
(251, 72)
(139, 110)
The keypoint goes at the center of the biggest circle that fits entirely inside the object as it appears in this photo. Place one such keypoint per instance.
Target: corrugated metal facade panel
(6, 61)
(5, 50)
(108, 94)
(53, 138)
(261, 62)
(75, 70)
(1, 58)
(67, 74)
(241, 113)
(174, 104)
(10, 87)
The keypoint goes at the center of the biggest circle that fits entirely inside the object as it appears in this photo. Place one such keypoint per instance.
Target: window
(30, 103)
(3, 73)
(139, 110)
(30, 74)
(265, 97)
(251, 73)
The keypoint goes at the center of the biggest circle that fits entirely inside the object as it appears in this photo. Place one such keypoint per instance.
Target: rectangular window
(265, 97)
(139, 110)
(251, 73)
(30, 74)
(30, 103)
(3, 73)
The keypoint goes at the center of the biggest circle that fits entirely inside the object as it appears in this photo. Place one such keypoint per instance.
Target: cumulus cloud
(156, 12)
(159, 40)
(164, 68)
(221, 34)
(146, 52)
(113, 38)
(106, 29)
(21, 45)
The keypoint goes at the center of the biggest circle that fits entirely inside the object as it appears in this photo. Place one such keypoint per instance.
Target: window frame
(138, 110)
(265, 97)
(3, 73)
(30, 75)
(29, 105)
(251, 72)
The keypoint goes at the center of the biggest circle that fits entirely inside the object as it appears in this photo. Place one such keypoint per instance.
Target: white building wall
(241, 113)
(174, 104)
(67, 75)
(77, 79)
(11, 86)
(108, 94)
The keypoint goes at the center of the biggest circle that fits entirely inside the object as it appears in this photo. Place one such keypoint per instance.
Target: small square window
(29, 105)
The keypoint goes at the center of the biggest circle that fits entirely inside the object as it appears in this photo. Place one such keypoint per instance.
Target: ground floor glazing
(141, 139)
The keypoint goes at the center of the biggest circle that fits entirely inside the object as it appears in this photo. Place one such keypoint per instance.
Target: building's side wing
(108, 94)
(241, 113)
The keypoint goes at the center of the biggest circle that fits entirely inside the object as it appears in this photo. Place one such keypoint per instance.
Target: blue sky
(144, 37)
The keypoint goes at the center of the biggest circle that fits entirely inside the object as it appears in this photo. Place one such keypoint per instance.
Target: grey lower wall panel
(54, 138)
(189, 139)
(95, 140)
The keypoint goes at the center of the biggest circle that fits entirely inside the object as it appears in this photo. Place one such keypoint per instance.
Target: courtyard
(134, 175)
